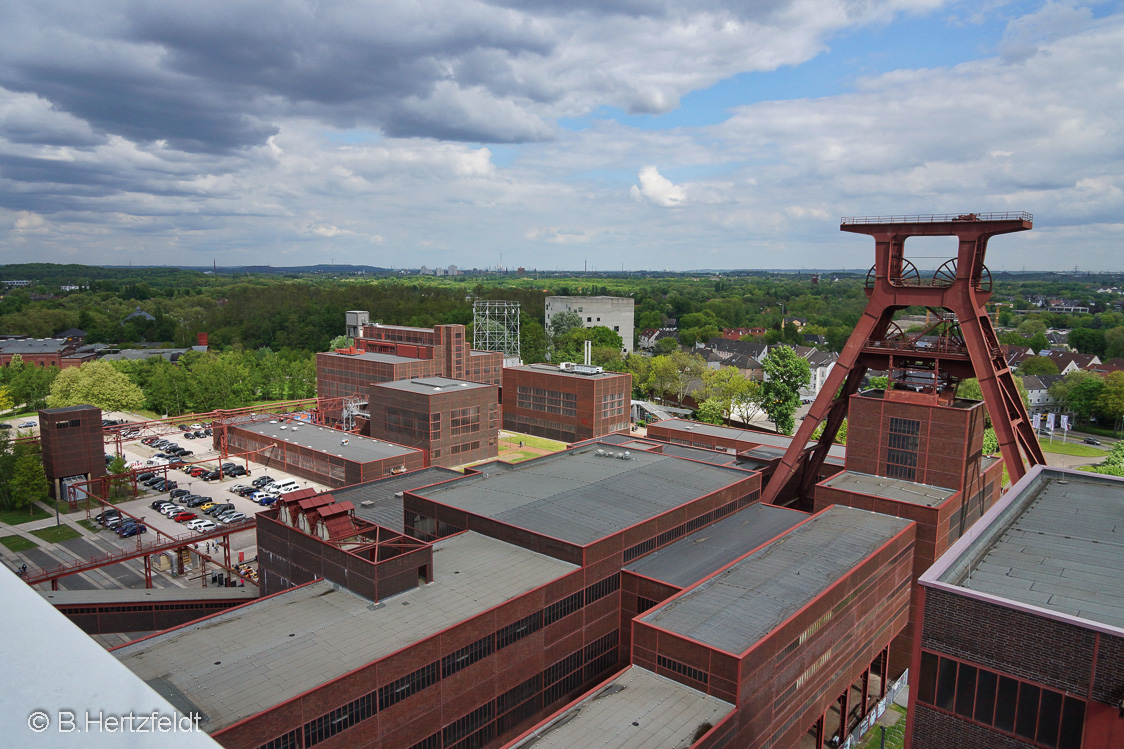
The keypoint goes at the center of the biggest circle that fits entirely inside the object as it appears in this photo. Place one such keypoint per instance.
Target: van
(285, 486)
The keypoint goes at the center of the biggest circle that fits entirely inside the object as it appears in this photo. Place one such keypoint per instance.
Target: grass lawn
(89, 525)
(64, 507)
(1072, 448)
(56, 533)
(895, 735)
(17, 543)
(517, 456)
(539, 442)
(15, 517)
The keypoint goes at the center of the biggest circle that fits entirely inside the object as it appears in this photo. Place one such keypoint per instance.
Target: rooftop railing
(937, 218)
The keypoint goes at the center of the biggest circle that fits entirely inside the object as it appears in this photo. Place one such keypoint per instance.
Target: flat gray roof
(635, 710)
(899, 490)
(962, 403)
(1057, 543)
(237, 663)
(431, 385)
(709, 549)
(579, 497)
(373, 356)
(380, 501)
(737, 607)
(747, 435)
(358, 448)
(552, 369)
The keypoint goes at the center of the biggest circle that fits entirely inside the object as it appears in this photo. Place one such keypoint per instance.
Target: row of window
(464, 420)
(464, 447)
(548, 401)
(1047, 717)
(418, 425)
(147, 607)
(612, 404)
(674, 534)
(683, 669)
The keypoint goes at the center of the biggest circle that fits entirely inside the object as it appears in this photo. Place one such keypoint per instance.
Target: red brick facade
(545, 401)
(71, 440)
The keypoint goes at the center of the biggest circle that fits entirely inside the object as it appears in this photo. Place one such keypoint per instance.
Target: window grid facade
(901, 451)
(546, 401)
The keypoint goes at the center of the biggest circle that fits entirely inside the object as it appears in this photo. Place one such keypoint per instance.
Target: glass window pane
(927, 682)
(985, 696)
(1049, 717)
(965, 690)
(1027, 720)
(1073, 724)
(946, 684)
(1005, 703)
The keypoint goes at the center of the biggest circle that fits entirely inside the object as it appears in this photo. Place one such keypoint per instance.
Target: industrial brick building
(317, 453)
(916, 456)
(613, 312)
(71, 441)
(46, 352)
(1022, 631)
(565, 404)
(453, 421)
(383, 353)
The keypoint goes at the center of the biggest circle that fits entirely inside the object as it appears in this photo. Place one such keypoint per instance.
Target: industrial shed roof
(579, 497)
(636, 709)
(693, 557)
(431, 385)
(343, 444)
(237, 663)
(380, 501)
(1056, 543)
(895, 489)
(737, 607)
(746, 435)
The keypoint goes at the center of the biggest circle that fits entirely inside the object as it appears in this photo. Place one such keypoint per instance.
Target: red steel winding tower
(965, 344)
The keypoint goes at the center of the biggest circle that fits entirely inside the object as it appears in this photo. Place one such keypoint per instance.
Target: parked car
(134, 530)
(183, 516)
(204, 525)
(231, 517)
(261, 481)
(268, 500)
(105, 516)
(199, 435)
(219, 509)
(113, 521)
(176, 493)
(239, 471)
(161, 503)
(1092, 441)
(211, 475)
(145, 476)
(28, 425)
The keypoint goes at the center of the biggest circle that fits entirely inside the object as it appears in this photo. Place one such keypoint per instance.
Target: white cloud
(658, 189)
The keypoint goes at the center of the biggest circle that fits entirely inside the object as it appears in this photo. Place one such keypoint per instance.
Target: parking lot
(218, 490)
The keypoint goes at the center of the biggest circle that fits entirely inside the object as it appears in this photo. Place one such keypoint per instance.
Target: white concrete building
(614, 312)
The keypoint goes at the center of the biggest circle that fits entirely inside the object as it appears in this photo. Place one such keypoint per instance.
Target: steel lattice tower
(495, 327)
(966, 346)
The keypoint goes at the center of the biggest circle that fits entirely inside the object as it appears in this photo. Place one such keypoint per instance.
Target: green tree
(218, 381)
(340, 341)
(1114, 343)
(1087, 341)
(990, 442)
(562, 323)
(119, 484)
(880, 382)
(1031, 327)
(1078, 392)
(1110, 401)
(726, 386)
(29, 481)
(785, 373)
(7, 467)
(532, 341)
(6, 402)
(675, 374)
(95, 383)
(168, 390)
(840, 435)
(666, 345)
(710, 411)
(1038, 365)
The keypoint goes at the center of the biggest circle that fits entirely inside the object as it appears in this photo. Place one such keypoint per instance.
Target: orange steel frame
(962, 286)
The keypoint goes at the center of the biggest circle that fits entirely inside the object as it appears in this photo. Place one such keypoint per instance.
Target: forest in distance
(264, 329)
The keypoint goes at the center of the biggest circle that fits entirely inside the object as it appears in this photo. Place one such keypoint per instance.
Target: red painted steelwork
(961, 287)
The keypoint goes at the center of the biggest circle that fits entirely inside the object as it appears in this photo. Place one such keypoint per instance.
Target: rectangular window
(985, 696)
(1027, 719)
(1005, 702)
(682, 669)
(561, 609)
(513, 633)
(965, 690)
(946, 684)
(467, 655)
(546, 401)
(1049, 717)
(901, 452)
(400, 689)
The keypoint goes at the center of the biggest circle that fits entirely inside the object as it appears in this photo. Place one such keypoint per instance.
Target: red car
(197, 471)
(183, 517)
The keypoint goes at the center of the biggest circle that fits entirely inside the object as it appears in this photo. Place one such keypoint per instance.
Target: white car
(195, 426)
(202, 525)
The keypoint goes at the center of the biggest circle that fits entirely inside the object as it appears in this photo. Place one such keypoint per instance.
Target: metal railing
(937, 218)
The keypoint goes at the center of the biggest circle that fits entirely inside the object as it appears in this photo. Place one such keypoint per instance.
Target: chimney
(588, 353)
(201, 339)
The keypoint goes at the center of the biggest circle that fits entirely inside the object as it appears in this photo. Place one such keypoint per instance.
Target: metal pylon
(962, 287)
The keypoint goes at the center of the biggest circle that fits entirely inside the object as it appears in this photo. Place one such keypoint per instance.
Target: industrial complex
(699, 586)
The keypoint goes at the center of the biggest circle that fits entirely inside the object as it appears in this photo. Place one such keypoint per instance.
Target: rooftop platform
(962, 403)
(898, 490)
(358, 448)
(238, 663)
(734, 609)
(1055, 541)
(148, 595)
(746, 435)
(578, 496)
(693, 557)
(431, 385)
(635, 710)
(380, 501)
(552, 369)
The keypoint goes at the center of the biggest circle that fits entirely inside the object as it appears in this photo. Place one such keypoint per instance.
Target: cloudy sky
(643, 134)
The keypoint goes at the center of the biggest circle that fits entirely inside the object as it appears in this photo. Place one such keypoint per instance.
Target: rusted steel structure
(965, 344)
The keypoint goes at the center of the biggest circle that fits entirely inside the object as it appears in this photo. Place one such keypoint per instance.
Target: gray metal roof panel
(635, 710)
(693, 557)
(358, 448)
(889, 488)
(1058, 544)
(580, 497)
(734, 609)
(238, 663)
(431, 385)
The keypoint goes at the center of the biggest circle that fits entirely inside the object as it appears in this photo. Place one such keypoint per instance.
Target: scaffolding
(495, 327)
